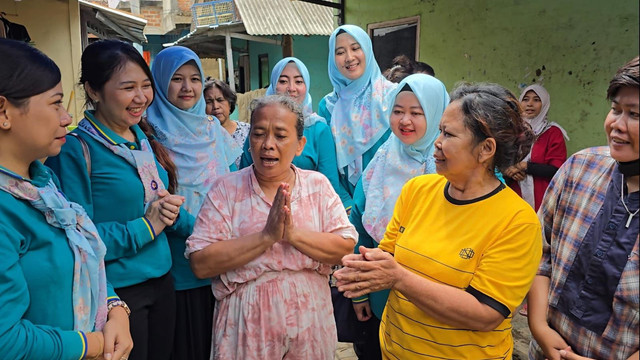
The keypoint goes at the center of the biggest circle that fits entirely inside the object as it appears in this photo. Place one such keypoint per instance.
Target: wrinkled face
(274, 140)
(39, 128)
(455, 153)
(291, 83)
(621, 125)
(125, 97)
(185, 87)
(217, 105)
(531, 105)
(407, 120)
(349, 57)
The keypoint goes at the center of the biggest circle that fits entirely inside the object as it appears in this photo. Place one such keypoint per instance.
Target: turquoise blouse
(36, 279)
(113, 196)
(378, 299)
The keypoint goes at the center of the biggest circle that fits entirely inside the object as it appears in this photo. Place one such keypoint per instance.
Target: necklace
(631, 214)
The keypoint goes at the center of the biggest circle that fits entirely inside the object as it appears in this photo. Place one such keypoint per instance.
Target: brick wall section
(153, 15)
(184, 7)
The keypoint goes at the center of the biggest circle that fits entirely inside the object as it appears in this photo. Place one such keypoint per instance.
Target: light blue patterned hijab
(201, 149)
(395, 162)
(310, 117)
(358, 107)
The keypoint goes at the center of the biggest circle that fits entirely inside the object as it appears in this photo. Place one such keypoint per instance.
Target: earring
(5, 124)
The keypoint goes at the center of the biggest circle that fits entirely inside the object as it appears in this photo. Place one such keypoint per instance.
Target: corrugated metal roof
(285, 17)
(116, 23)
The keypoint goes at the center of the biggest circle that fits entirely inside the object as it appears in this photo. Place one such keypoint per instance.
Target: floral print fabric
(279, 301)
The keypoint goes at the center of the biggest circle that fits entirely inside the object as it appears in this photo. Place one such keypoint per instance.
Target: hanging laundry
(15, 31)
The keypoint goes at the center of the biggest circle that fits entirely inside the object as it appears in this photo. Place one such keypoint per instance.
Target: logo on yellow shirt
(466, 253)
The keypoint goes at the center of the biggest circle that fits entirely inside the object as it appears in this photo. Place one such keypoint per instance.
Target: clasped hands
(371, 270)
(279, 226)
(164, 211)
(518, 171)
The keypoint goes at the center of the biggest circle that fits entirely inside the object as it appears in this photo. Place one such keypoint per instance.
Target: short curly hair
(226, 91)
(281, 100)
(626, 76)
(492, 111)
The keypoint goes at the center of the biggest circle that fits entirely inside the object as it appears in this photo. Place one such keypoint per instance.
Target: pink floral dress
(277, 306)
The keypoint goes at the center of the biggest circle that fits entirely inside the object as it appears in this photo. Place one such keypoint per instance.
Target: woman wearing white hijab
(357, 108)
(416, 106)
(532, 175)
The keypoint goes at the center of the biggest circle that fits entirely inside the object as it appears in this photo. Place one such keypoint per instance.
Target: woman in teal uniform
(357, 107)
(290, 77)
(416, 105)
(202, 150)
(124, 179)
(56, 303)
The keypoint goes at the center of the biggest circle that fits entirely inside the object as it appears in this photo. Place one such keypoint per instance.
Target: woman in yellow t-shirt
(461, 249)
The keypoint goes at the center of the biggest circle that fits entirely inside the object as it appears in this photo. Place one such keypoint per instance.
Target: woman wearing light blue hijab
(290, 77)
(356, 109)
(416, 106)
(202, 151)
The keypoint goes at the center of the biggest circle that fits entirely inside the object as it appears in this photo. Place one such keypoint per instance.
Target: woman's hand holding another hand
(371, 270)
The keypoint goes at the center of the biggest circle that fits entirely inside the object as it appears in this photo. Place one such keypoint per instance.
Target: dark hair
(100, 61)
(226, 91)
(424, 68)
(103, 58)
(401, 67)
(25, 72)
(281, 100)
(626, 76)
(491, 111)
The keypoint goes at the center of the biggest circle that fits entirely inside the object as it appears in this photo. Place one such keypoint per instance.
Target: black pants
(194, 322)
(153, 315)
(367, 347)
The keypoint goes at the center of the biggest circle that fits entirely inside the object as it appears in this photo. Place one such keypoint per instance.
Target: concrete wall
(54, 28)
(572, 47)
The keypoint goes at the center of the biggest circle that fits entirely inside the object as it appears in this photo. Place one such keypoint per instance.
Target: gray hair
(284, 101)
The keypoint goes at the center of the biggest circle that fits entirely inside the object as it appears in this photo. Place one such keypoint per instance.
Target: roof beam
(256, 38)
(105, 20)
(339, 5)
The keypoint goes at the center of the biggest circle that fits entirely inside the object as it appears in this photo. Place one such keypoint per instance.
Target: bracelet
(116, 303)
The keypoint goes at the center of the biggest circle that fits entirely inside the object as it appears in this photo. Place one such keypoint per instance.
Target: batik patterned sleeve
(213, 222)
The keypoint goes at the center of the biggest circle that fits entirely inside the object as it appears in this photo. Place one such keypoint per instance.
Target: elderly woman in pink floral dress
(267, 235)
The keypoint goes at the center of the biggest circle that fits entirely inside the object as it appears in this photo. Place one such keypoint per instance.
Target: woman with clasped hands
(268, 235)
(461, 249)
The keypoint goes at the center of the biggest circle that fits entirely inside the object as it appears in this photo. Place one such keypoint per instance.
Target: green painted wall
(256, 49)
(313, 51)
(572, 47)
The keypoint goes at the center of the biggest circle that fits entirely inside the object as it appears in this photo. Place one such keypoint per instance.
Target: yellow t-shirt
(489, 247)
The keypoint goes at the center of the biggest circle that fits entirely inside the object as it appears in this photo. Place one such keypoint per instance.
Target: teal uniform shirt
(366, 157)
(36, 280)
(319, 154)
(113, 196)
(378, 299)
